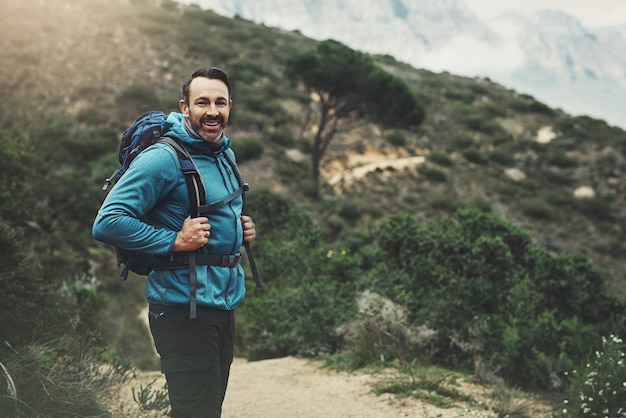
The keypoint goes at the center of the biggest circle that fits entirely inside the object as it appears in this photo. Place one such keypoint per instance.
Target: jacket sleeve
(126, 217)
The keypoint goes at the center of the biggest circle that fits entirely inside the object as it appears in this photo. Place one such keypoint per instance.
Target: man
(148, 211)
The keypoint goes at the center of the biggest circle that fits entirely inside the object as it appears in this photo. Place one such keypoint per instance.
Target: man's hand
(249, 232)
(194, 234)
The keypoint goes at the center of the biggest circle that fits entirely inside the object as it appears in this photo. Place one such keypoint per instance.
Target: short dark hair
(212, 73)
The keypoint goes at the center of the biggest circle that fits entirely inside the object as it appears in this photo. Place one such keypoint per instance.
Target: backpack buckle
(230, 260)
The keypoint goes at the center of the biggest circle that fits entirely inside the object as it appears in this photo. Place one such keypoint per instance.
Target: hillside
(484, 146)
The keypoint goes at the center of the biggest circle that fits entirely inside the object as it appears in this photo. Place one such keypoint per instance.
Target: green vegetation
(599, 388)
(435, 270)
(344, 86)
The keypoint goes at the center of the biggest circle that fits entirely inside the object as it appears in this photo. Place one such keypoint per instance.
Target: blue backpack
(145, 131)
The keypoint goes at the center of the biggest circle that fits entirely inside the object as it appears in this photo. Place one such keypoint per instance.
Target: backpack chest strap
(202, 209)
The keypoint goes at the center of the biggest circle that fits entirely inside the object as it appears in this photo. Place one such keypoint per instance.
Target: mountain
(481, 145)
(548, 54)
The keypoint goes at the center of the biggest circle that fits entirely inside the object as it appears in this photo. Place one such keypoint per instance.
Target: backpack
(142, 133)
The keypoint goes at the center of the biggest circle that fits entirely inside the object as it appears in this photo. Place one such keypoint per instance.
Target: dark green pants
(195, 357)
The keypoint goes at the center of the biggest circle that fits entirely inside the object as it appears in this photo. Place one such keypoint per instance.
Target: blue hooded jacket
(147, 206)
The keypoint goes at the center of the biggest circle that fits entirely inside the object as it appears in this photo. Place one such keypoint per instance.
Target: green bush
(462, 141)
(441, 158)
(507, 307)
(505, 158)
(475, 155)
(282, 136)
(247, 149)
(462, 95)
(599, 388)
(596, 208)
(396, 139)
(537, 208)
(447, 203)
(136, 99)
(52, 381)
(305, 278)
(432, 174)
(561, 160)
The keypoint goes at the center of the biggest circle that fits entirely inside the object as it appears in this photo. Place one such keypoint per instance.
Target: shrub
(447, 203)
(51, 381)
(282, 136)
(503, 157)
(475, 155)
(432, 174)
(396, 139)
(462, 141)
(441, 159)
(462, 95)
(247, 149)
(537, 208)
(596, 208)
(349, 210)
(561, 160)
(382, 331)
(137, 99)
(480, 204)
(599, 388)
(507, 307)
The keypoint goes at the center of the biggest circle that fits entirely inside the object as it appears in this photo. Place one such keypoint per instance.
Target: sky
(591, 13)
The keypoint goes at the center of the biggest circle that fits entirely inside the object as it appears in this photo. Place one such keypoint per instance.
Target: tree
(343, 86)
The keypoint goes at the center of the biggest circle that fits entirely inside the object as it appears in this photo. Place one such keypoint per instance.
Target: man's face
(208, 108)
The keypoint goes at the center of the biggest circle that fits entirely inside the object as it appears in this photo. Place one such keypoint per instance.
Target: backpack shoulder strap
(197, 199)
(195, 187)
(244, 188)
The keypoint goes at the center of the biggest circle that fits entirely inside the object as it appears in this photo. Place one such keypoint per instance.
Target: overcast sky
(591, 13)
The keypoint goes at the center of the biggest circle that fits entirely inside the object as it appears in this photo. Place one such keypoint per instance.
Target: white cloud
(591, 14)
(469, 57)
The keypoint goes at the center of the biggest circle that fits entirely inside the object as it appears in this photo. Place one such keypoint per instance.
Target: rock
(515, 174)
(545, 135)
(584, 192)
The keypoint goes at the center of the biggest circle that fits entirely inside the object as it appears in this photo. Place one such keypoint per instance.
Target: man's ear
(184, 109)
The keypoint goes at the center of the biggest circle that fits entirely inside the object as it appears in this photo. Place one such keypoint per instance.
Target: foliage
(66, 376)
(47, 293)
(247, 149)
(396, 139)
(441, 159)
(308, 281)
(137, 99)
(432, 174)
(344, 85)
(510, 309)
(506, 305)
(537, 208)
(151, 399)
(475, 155)
(599, 388)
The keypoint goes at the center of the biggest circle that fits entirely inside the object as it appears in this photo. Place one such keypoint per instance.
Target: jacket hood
(173, 126)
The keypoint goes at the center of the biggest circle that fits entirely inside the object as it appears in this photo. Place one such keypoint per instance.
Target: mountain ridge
(447, 36)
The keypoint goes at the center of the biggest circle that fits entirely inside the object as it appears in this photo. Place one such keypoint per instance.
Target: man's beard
(197, 128)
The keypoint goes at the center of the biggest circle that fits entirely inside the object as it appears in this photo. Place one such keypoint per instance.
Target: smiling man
(191, 305)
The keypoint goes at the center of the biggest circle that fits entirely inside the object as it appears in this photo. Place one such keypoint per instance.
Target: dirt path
(291, 387)
(296, 388)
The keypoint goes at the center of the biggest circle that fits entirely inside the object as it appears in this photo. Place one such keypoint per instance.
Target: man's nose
(212, 109)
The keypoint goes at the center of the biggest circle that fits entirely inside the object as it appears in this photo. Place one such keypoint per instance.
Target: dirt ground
(297, 388)
(291, 387)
